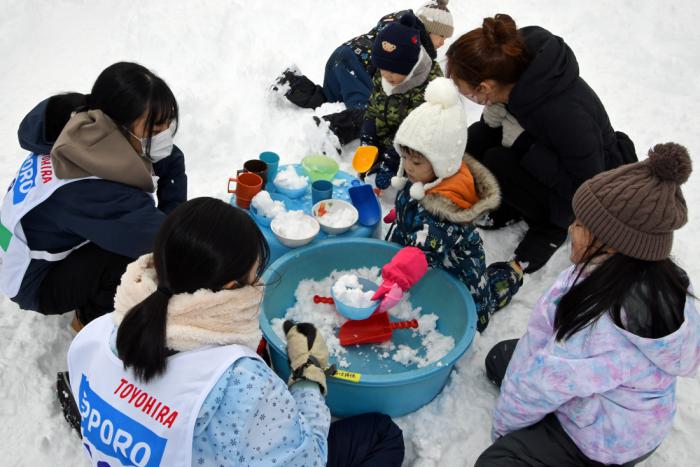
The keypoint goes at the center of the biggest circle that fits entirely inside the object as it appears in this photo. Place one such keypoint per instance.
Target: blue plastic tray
(340, 191)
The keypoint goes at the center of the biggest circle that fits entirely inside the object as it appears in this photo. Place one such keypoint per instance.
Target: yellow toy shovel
(364, 158)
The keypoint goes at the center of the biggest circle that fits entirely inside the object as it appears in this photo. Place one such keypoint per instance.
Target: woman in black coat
(543, 131)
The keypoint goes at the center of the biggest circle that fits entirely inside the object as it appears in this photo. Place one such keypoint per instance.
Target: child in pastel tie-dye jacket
(593, 379)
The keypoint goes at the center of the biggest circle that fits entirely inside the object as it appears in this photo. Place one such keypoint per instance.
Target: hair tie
(165, 291)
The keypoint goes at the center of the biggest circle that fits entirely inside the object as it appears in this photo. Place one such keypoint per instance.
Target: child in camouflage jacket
(448, 191)
(404, 70)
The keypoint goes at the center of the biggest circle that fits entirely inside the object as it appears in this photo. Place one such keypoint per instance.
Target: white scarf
(194, 320)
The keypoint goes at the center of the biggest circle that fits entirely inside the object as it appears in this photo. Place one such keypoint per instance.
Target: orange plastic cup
(248, 185)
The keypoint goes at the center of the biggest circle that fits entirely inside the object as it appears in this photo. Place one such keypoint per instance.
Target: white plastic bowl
(332, 205)
(294, 242)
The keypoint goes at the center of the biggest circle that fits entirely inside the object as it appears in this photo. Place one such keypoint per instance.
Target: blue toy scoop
(366, 203)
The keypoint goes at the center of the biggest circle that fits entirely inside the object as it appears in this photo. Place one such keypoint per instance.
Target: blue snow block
(373, 383)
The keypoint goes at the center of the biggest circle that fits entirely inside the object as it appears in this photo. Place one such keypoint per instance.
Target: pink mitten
(405, 269)
(390, 217)
(390, 294)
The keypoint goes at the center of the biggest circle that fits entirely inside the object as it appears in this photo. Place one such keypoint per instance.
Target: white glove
(511, 130)
(494, 115)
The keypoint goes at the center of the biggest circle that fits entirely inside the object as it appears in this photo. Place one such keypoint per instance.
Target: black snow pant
(367, 440)
(523, 196)
(543, 444)
(85, 281)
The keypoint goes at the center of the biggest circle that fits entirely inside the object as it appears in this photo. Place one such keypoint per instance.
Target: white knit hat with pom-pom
(438, 130)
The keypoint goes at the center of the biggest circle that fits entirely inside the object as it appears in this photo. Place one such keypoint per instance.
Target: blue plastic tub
(380, 385)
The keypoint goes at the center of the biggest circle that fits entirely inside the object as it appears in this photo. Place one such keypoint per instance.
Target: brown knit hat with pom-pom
(636, 207)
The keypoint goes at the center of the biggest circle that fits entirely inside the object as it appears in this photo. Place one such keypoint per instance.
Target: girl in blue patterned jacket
(183, 333)
(448, 191)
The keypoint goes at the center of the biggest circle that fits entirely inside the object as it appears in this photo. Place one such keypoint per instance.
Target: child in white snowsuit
(448, 191)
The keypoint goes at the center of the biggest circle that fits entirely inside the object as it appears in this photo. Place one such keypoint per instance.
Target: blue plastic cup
(320, 190)
(272, 160)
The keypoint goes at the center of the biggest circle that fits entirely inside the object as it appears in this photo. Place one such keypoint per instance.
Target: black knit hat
(397, 46)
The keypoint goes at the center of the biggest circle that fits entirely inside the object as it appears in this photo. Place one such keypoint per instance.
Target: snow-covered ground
(218, 56)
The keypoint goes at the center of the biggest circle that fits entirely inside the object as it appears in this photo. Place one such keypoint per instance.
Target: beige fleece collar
(198, 319)
(91, 144)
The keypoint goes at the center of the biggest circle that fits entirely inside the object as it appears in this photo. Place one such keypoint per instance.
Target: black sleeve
(172, 181)
(575, 155)
(114, 216)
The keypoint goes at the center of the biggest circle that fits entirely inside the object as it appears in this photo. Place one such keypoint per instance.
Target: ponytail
(59, 109)
(141, 336)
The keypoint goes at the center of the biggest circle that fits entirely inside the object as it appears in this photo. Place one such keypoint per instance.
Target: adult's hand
(511, 130)
(494, 114)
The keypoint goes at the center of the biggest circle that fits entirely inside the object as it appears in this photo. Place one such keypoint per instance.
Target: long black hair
(203, 244)
(124, 92)
(652, 294)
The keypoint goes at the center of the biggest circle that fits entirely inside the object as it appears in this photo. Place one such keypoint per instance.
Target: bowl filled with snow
(290, 183)
(353, 296)
(294, 228)
(335, 215)
(394, 378)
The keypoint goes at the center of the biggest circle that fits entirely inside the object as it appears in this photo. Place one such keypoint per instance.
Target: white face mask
(387, 87)
(161, 144)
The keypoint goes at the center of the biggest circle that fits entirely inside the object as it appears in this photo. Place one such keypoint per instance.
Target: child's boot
(65, 398)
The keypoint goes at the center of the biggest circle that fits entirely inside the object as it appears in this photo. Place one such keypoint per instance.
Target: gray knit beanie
(636, 207)
(436, 18)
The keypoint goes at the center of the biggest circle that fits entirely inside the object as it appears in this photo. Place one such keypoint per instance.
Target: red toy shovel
(375, 329)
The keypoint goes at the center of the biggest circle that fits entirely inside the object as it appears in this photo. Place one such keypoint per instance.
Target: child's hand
(390, 293)
(390, 217)
(308, 354)
(405, 269)
(494, 115)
